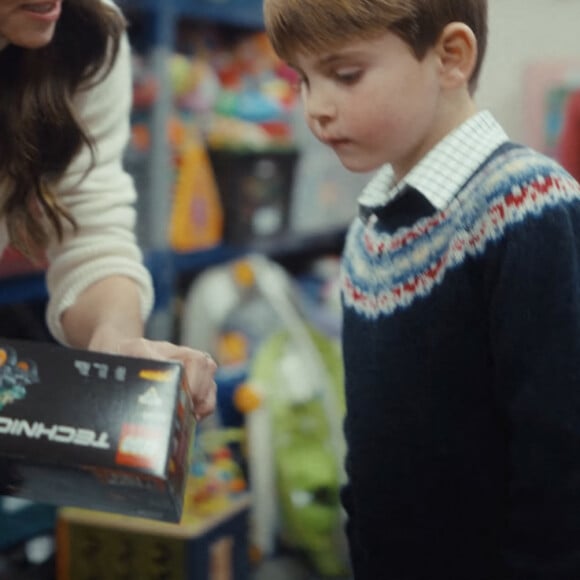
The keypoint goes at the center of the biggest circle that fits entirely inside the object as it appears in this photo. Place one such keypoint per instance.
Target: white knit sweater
(101, 202)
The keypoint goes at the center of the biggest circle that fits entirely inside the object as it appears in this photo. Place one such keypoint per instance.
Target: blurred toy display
(243, 105)
(305, 459)
(196, 86)
(217, 476)
(231, 139)
(284, 377)
(197, 217)
(239, 93)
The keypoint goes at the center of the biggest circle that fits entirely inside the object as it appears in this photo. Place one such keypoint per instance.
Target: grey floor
(284, 568)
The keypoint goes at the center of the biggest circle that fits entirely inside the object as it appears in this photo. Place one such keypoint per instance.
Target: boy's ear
(457, 52)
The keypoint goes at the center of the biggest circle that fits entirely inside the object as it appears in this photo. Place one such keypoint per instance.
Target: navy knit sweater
(461, 345)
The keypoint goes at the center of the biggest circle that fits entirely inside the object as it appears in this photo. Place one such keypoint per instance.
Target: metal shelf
(23, 288)
(282, 246)
(241, 13)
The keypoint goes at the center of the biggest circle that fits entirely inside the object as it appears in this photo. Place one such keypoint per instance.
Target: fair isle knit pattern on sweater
(513, 189)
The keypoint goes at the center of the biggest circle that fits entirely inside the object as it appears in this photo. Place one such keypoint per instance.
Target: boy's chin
(359, 165)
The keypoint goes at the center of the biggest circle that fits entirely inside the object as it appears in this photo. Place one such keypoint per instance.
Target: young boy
(461, 291)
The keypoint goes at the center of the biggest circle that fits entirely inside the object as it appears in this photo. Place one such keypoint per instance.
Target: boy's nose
(319, 106)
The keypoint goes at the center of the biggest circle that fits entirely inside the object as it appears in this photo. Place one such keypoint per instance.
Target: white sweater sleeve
(102, 202)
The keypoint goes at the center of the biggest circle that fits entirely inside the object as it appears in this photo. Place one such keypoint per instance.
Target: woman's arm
(100, 291)
(102, 203)
(109, 307)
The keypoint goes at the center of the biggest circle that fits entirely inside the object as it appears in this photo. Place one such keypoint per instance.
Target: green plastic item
(307, 469)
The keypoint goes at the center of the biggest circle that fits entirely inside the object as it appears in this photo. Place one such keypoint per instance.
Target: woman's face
(29, 23)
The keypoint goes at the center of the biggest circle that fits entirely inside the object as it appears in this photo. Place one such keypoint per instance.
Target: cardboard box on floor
(100, 546)
(92, 430)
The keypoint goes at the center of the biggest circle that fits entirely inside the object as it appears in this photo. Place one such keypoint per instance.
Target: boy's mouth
(337, 142)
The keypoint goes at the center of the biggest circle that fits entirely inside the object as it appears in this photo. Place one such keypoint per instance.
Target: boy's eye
(348, 76)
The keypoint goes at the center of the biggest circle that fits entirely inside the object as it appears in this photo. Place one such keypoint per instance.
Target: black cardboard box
(92, 430)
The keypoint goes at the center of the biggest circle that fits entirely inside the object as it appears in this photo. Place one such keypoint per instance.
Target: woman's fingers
(199, 367)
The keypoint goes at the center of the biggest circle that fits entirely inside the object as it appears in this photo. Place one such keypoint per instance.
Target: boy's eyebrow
(331, 58)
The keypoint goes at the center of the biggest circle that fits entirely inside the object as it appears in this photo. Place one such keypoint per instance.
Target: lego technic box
(92, 430)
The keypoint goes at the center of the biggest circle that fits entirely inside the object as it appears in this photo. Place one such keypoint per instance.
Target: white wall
(523, 31)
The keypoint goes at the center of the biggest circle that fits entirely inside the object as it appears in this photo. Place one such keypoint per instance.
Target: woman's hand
(199, 366)
(106, 317)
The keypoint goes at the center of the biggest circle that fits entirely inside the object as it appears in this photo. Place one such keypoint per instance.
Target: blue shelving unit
(22, 288)
(280, 247)
(241, 13)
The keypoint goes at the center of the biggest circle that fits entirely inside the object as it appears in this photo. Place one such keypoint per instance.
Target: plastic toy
(217, 479)
(197, 215)
(195, 83)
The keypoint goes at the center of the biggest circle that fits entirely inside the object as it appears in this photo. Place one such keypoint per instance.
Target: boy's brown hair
(320, 25)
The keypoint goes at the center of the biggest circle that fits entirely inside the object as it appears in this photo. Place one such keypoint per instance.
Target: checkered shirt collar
(441, 174)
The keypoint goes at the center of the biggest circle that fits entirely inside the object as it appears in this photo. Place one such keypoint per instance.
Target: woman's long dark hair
(39, 132)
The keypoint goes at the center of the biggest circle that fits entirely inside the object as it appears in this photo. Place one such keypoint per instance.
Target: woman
(65, 98)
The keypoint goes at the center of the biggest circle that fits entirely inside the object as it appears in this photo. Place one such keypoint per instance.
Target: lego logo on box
(68, 416)
(140, 446)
